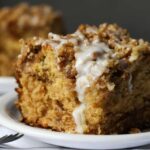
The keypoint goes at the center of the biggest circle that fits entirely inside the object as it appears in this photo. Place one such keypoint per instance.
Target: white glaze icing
(78, 115)
(87, 68)
(133, 57)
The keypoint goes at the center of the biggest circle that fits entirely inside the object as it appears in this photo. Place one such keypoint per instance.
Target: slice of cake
(94, 81)
(24, 21)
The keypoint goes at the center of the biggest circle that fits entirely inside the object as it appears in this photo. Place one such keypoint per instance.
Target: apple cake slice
(94, 81)
(24, 21)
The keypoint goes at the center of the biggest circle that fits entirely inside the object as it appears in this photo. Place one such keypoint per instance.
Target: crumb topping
(119, 39)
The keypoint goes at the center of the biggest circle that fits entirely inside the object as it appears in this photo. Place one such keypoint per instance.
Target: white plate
(9, 118)
(7, 84)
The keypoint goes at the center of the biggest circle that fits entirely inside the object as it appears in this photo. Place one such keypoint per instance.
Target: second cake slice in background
(24, 21)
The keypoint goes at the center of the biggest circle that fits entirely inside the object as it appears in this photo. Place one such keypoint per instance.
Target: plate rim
(7, 84)
(5, 79)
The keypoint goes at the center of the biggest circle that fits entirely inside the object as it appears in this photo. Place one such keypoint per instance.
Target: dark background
(131, 14)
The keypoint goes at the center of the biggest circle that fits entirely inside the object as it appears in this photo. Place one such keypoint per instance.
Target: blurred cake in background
(22, 22)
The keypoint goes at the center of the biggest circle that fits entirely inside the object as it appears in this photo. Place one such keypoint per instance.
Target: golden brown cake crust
(112, 99)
